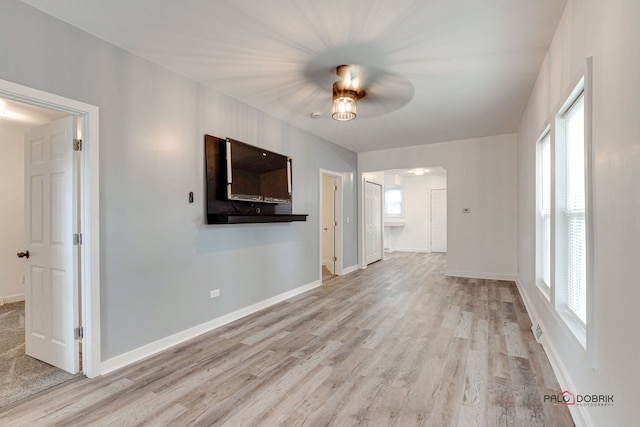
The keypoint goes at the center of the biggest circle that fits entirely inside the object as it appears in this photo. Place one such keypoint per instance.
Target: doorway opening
(38, 176)
(413, 210)
(330, 224)
(57, 287)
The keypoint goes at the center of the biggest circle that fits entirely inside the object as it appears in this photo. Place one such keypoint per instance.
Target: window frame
(560, 286)
(388, 188)
(544, 139)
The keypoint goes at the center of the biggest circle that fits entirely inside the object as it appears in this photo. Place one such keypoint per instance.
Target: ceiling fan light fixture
(345, 95)
(344, 106)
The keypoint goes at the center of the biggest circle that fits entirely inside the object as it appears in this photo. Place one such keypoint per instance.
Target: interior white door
(51, 293)
(373, 221)
(328, 222)
(438, 220)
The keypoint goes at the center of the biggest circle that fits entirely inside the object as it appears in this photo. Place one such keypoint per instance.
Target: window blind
(574, 212)
(393, 201)
(545, 210)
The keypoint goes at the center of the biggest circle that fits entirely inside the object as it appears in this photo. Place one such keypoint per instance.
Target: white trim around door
(89, 211)
(338, 240)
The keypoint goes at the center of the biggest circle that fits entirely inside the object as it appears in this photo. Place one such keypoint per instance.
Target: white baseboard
(147, 350)
(578, 413)
(476, 275)
(11, 298)
(348, 270)
(533, 316)
(421, 251)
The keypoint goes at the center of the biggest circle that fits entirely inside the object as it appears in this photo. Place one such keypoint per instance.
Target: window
(543, 207)
(393, 201)
(571, 259)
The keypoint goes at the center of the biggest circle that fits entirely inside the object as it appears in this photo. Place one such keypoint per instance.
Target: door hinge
(335, 188)
(335, 258)
(78, 333)
(77, 239)
(77, 144)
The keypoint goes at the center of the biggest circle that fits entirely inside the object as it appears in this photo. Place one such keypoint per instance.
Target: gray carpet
(21, 376)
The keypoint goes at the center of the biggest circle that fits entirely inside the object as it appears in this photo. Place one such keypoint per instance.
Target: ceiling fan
(360, 91)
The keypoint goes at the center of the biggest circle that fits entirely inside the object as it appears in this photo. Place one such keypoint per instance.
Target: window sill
(544, 290)
(393, 223)
(578, 330)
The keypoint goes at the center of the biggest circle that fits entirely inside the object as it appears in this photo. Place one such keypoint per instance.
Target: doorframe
(431, 218)
(89, 210)
(338, 240)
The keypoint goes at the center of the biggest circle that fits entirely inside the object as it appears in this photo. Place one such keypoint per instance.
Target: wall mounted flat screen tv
(254, 174)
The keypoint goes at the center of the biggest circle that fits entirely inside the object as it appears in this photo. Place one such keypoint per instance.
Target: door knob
(24, 254)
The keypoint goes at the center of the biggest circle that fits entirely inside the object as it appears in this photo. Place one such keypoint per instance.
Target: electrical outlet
(214, 293)
(22, 278)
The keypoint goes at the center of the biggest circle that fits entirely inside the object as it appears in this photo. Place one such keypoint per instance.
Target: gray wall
(159, 260)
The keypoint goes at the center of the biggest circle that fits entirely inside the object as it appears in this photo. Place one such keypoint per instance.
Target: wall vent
(537, 332)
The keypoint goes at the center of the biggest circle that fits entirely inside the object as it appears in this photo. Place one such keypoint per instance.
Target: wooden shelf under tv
(252, 219)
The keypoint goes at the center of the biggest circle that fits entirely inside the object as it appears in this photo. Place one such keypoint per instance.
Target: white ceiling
(442, 69)
(437, 170)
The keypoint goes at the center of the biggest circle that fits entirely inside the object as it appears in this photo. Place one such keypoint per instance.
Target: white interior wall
(11, 211)
(393, 179)
(374, 176)
(481, 175)
(607, 31)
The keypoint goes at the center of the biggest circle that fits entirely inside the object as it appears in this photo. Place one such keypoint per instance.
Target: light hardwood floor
(397, 344)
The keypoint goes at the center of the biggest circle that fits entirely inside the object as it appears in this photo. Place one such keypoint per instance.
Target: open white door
(51, 288)
(328, 223)
(438, 220)
(373, 221)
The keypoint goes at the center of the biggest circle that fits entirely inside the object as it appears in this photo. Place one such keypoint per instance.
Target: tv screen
(257, 175)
